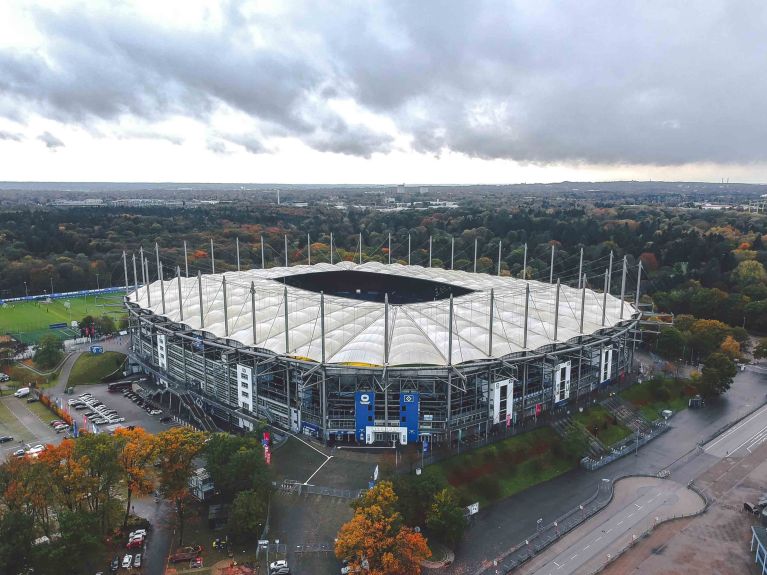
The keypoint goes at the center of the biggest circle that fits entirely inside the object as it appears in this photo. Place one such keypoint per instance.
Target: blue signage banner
(364, 412)
(409, 404)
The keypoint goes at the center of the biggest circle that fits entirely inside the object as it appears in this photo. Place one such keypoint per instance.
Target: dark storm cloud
(601, 82)
(50, 141)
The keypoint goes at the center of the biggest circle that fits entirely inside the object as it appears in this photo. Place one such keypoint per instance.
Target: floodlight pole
(125, 267)
(610, 272)
(429, 251)
(475, 255)
(452, 252)
(551, 266)
(331, 248)
(160, 275)
(287, 325)
(556, 311)
(212, 258)
(386, 332)
(583, 301)
(237, 245)
(527, 311)
(263, 260)
(143, 275)
(324, 393)
(408, 249)
(226, 306)
(322, 325)
(180, 306)
(604, 297)
(490, 324)
(308, 249)
(623, 284)
(639, 279)
(199, 292)
(186, 261)
(253, 309)
(524, 264)
(449, 367)
(135, 277)
(360, 248)
(148, 296)
(499, 257)
(389, 248)
(286, 251)
(580, 269)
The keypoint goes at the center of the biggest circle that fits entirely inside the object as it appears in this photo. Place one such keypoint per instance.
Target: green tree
(248, 515)
(415, 494)
(48, 352)
(105, 325)
(749, 272)
(446, 519)
(236, 463)
(671, 343)
(760, 350)
(717, 375)
(16, 537)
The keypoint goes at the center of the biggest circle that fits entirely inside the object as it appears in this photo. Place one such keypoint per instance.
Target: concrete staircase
(202, 418)
(627, 414)
(564, 426)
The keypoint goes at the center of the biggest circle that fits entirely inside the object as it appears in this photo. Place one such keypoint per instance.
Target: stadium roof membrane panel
(355, 323)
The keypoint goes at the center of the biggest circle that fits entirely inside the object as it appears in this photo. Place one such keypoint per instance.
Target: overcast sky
(383, 92)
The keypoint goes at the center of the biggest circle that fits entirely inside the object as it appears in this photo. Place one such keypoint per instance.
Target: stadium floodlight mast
(551, 266)
(135, 276)
(639, 280)
(186, 261)
(263, 260)
(125, 267)
(360, 248)
(610, 272)
(199, 292)
(389, 248)
(237, 244)
(524, 264)
(331, 248)
(429, 251)
(499, 257)
(452, 252)
(226, 306)
(604, 296)
(475, 255)
(580, 269)
(148, 291)
(253, 309)
(286, 251)
(180, 302)
(623, 284)
(160, 275)
(408, 249)
(308, 249)
(212, 258)
(527, 310)
(583, 301)
(556, 312)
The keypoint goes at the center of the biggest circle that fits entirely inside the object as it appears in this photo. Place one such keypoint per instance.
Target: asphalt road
(505, 524)
(637, 504)
(742, 438)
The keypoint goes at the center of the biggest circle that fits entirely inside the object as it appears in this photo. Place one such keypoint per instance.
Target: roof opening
(371, 286)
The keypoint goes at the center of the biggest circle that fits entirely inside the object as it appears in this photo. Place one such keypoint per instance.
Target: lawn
(600, 423)
(10, 425)
(652, 397)
(41, 411)
(29, 321)
(92, 368)
(507, 467)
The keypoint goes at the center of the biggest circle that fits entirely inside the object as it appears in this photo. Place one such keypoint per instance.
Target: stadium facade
(374, 353)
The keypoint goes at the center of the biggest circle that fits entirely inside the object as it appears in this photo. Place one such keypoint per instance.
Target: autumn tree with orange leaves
(138, 450)
(177, 448)
(376, 539)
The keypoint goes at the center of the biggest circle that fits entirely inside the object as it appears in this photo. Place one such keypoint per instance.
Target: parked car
(6, 439)
(115, 564)
(20, 453)
(4, 377)
(137, 560)
(32, 399)
(55, 422)
(133, 534)
(127, 561)
(155, 412)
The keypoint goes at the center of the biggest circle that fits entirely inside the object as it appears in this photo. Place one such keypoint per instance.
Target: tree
(760, 350)
(236, 463)
(138, 450)
(718, 372)
(99, 454)
(446, 519)
(706, 335)
(376, 537)
(105, 325)
(48, 352)
(177, 448)
(671, 343)
(749, 272)
(248, 515)
(16, 536)
(730, 347)
(415, 494)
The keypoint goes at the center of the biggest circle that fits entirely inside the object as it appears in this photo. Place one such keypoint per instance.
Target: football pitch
(28, 321)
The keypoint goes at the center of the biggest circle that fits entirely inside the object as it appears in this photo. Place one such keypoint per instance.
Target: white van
(21, 392)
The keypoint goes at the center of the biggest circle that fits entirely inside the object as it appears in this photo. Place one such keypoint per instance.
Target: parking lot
(125, 408)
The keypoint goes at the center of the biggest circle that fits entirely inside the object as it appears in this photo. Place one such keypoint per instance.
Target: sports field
(28, 321)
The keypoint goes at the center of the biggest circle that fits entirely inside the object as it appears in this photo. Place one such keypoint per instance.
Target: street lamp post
(26, 289)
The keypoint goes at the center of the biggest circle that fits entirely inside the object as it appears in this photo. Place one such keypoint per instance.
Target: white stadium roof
(419, 333)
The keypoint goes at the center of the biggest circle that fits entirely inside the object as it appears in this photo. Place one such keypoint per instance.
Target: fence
(659, 427)
(63, 295)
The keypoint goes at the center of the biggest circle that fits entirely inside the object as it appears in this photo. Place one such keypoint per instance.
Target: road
(503, 525)
(638, 503)
(742, 438)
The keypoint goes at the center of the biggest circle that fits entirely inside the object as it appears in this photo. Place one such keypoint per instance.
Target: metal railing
(659, 427)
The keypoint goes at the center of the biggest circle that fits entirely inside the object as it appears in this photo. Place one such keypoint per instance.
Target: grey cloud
(16, 137)
(50, 141)
(601, 82)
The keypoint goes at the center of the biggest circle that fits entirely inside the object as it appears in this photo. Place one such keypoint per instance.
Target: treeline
(79, 494)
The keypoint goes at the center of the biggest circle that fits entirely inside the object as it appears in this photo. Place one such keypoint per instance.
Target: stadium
(374, 353)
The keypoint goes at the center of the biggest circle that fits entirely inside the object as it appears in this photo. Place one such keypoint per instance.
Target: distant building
(424, 189)
(401, 189)
(201, 485)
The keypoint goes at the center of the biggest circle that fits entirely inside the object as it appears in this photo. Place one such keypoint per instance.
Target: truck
(21, 392)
